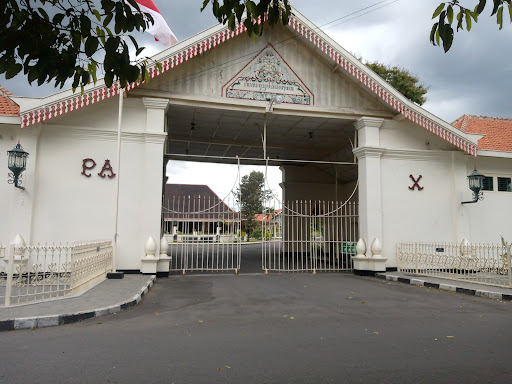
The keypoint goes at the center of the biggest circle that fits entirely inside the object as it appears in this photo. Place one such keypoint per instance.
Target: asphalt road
(276, 328)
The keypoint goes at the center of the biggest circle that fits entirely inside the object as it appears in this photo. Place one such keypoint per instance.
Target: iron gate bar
(204, 231)
(178, 155)
(316, 236)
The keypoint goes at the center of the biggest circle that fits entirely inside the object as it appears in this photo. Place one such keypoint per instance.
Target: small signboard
(348, 248)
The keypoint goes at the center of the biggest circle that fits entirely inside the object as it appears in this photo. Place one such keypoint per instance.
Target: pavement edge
(445, 287)
(53, 320)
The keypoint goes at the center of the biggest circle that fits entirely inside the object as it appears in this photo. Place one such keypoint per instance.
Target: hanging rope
(301, 214)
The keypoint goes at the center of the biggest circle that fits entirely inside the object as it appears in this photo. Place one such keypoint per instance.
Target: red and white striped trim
(210, 42)
(90, 97)
(64, 106)
(376, 88)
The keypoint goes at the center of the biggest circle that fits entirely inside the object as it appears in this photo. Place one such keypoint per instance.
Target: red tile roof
(267, 216)
(7, 106)
(497, 131)
(189, 202)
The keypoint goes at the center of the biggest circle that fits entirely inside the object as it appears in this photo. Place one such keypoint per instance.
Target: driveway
(276, 328)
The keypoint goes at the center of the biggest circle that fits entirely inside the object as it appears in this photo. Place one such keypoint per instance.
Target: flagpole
(165, 33)
(115, 249)
(116, 212)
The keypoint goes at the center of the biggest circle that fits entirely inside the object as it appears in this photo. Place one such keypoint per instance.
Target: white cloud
(221, 178)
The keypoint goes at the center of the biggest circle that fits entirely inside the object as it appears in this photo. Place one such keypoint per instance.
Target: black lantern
(17, 163)
(476, 183)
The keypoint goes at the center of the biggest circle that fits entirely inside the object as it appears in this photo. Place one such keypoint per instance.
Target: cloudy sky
(474, 77)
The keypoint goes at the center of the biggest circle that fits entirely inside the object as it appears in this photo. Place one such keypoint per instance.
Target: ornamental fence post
(509, 266)
(416, 257)
(10, 271)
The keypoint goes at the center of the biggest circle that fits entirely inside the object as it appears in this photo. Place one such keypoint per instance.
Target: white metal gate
(203, 233)
(314, 236)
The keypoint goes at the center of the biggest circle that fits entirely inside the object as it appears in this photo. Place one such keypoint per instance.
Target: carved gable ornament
(266, 76)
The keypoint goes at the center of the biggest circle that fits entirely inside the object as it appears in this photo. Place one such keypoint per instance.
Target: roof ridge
(483, 117)
(8, 107)
(6, 92)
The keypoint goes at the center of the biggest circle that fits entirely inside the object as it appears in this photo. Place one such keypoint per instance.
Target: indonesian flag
(159, 29)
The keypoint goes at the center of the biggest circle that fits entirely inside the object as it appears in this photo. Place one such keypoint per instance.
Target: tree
(231, 12)
(57, 40)
(251, 196)
(402, 81)
(445, 13)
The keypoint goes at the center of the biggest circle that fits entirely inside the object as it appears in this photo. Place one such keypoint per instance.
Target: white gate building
(340, 132)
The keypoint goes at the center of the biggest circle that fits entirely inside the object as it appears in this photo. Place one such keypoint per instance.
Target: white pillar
(369, 155)
(153, 183)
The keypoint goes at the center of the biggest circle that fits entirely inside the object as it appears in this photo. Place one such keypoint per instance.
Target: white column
(369, 155)
(155, 139)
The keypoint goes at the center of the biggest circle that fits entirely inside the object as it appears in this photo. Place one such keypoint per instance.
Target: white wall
(67, 206)
(436, 213)
(491, 217)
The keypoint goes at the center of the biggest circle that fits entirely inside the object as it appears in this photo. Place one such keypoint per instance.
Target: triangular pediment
(212, 41)
(266, 76)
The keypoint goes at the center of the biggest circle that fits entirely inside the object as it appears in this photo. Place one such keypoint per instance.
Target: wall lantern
(476, 183)
(17, 162)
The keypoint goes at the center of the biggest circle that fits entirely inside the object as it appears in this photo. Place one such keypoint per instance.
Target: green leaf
(510, 12)
(447, 36)
(480, 7)
(159, 66)
(239, 11)
(109, 79)
(499, 17)
(13, 70)
(497, 4)
(468, 20)
(43, 14)
(108, 19)
(433, 33)
(97, 14)
(57, 19)
(231, 21)
(441, 19)
(92, 68)
(248, 25)
(251, 8)
(460, 16)
(85, 25)
(438, 10)
(449, 14)
(32, 75)
(134, 42)
(205, 3)
(91, 45)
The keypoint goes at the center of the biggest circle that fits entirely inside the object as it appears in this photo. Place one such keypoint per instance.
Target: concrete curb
(445, 287)
(61, 319)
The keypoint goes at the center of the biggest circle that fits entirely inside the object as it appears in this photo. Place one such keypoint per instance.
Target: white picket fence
(38, 273)
(477, 263)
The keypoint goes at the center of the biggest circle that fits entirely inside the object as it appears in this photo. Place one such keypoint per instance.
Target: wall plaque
(266, 76)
